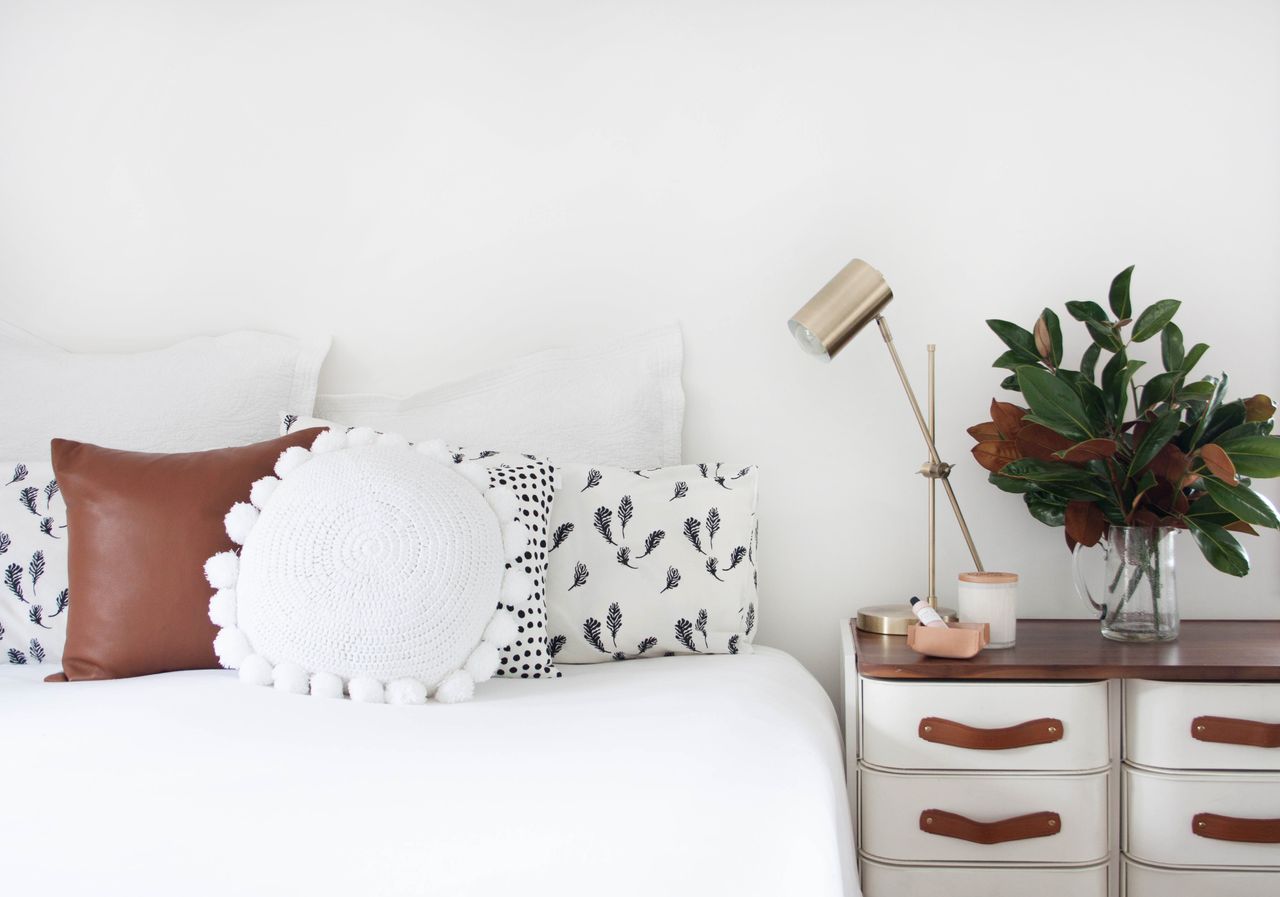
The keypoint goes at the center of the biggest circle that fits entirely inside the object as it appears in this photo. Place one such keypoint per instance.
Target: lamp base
(893, 619)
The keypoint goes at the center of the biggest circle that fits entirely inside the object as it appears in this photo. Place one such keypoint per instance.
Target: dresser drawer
(1190, 725)
(887, 880)
(1164, 824)
(1148, 881)
(896, 812)
(969, 725)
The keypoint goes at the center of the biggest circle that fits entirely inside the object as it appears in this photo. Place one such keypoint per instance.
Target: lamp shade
(855, 296)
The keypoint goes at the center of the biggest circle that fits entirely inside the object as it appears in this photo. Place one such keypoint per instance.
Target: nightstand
(1069, 765)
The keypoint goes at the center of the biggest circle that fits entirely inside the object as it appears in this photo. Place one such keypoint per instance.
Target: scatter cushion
(33, 555)
(201, 393)
(645, 563)
(141, 526)
(528, 655)
(620, 403)
(370, 567)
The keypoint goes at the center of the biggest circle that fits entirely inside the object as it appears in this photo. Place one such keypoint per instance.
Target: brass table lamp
(826, 323)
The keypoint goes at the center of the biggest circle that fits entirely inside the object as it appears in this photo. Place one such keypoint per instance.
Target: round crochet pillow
(370, 567)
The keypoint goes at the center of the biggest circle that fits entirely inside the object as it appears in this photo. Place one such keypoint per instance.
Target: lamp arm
(939, 470)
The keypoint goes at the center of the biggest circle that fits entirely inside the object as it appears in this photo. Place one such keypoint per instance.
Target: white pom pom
(501, 630)
(457, 687)
(239, 521)
(222, 607)
(329, 441)
(406, 691)
(290, 460)
(482, 663)
(222, 570)
(232, 647)
(515, 538)
(362, 436)
(290, 678)
(393, 439)
(475, 474)
(366, 690)
(516, 586)
(261, 491)
(504, 503)
(255, 670)
(326, 685)
(436, 450)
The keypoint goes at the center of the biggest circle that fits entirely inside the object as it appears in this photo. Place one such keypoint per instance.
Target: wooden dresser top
(1206, 650)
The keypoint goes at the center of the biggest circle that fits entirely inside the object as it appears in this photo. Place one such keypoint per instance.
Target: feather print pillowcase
(647, 563)
(33, 564)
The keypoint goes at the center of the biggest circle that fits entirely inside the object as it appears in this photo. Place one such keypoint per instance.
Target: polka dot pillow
(534, 483)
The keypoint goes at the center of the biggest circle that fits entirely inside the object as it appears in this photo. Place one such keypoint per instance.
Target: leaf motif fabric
(34, 596)
(652, 563)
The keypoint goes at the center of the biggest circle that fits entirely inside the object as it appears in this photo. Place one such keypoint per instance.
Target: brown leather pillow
(140, 527)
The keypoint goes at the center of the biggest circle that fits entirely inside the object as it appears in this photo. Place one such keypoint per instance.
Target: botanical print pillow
(534, 482)
(33, 560)
(646, 563)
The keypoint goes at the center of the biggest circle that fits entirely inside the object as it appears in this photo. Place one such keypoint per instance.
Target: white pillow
(619, 404)
(643, 563)
(371, 567)
(201, 393)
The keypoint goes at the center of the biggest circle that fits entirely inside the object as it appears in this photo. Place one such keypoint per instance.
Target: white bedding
(683, 775)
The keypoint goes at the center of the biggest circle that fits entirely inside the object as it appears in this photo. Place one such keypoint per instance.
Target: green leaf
(1198, 391)
(1119, 297)
(1009, 484)
(1016, 338)
(1254, 456)
(1115, 383)
(1224, 417)
(1010, 383)
(1193, 357)
(1089, 361)
(1219, 547)
(1105, 336)
(1158, 389)
(1153, 319)
(1011, 359)
(1049, 511)
(1054, 403)
(1154, 439)
(1250, 428)
(1188, 443)
(1171, 353)
(1046, 472)
(1086, 311)
(1241, 501)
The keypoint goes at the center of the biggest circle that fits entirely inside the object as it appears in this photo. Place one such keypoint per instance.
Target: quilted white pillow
(372, 567)
(620, 404)
(201, 393)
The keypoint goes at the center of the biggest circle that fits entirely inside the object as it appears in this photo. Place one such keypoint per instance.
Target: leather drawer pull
(1019, 828)
(1233, 828)
(1225, 730)
(945, 731)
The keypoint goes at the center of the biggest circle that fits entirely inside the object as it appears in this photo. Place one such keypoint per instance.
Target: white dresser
(1068, 765)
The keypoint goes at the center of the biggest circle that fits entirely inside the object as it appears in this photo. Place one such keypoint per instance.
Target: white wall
(440, 184)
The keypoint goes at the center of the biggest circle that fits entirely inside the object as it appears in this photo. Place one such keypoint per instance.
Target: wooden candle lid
(991, 578)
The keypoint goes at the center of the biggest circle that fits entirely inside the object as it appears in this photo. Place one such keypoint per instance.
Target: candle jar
(991, 598)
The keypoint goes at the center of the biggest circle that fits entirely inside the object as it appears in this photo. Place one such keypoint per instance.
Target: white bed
(683, 775)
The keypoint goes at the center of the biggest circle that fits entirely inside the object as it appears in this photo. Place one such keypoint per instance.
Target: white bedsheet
(683, 775)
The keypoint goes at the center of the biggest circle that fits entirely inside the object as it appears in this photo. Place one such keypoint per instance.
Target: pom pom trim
(222, 570)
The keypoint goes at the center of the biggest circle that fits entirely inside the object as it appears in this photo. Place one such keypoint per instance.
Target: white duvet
(683, 775)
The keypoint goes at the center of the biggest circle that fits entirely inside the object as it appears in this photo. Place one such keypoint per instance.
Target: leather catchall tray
(958, 640)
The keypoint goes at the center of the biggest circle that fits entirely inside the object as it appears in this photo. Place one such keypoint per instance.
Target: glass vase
(1139, 598)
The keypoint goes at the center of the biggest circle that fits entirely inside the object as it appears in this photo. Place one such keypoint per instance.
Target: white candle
(991, 598)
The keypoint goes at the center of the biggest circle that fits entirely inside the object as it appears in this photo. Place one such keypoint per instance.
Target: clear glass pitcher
(1140, 595)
